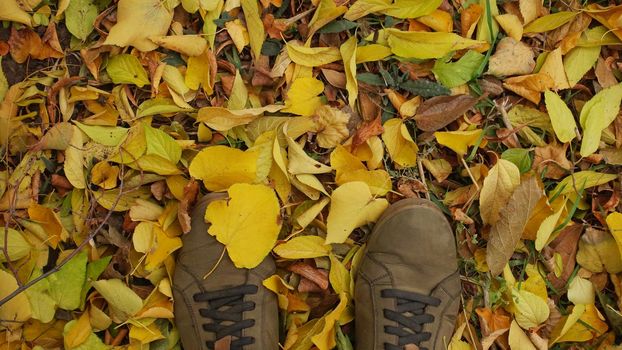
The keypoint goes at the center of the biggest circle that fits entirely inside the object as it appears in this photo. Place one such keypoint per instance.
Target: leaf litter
(312, 117)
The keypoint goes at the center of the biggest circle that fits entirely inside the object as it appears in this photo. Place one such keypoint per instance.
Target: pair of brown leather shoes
(407, 290)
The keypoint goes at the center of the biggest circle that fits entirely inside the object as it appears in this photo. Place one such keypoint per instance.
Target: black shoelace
(225, 309)
(410, 317)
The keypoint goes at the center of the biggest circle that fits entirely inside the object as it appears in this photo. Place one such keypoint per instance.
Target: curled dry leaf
(437, 112)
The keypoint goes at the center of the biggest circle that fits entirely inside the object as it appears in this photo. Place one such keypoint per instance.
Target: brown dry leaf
(530, 86)
(438, 112)
(25, 43)
(564, 247)
(317, 276)
(604, 74)
(551, 161)
(511, 58)
(507, 232)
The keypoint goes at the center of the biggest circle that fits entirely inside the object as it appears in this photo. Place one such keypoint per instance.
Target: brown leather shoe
(230, 306)
(408, 287)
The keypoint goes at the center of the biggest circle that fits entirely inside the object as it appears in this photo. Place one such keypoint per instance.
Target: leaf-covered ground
(314, 116)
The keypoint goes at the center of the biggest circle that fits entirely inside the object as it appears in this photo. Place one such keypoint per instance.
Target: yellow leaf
(400, 145)
(312, 56)
(581, 291)
(591, 324)
(550, 22)
(143, 237)
(162, 248)
(511, 24)
(10, 11)
(348, 54)
(561, 117)
(339, 276)
(124, 301)
(614, 222)
(498, 186)
(554, 67)
(582, 180)
(425, 45)
(597, 114)
(198, 73)
(518, 340)
(50, 222)
(411, 8)
(79, 333)
(145, 334)
(224, 119)
(372, 53)
(325, 340)
(137, 21)
(247, 224)
(534, 283)
(529, 9)
(301, 163)
(484, 31)
(105, 175)
(578, 61)
(155, 163)
(350, 169)
(281, 288)
(438, 20)
(352, 205)
(16, 310)
(189, 45)
(548, 225)
(303, 247)
(530, 86)
(16, 246)
(74, 160)
(325, 13)
(531, 310)
(598, 252)
(364, 7)
(331, 126)
(302, 96)
(256, 33)
(220, 167)
(458, 141)
(238, 33)
(310, 214)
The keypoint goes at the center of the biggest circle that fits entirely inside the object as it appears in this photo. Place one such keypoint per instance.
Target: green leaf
(452, 74)
(126, 69)
(124, 301)
(561, 117)
(371, 79)
(338, 26)
(597, 114)
(520, 157)
(161, 144)
(425, 88)
(105, 135)
(80, 17)
(66, 284)
(550, 22)
(579, 61)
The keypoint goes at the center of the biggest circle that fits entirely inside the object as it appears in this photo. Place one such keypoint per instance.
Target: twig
(466, 166)
(422, 175)
(506, 121)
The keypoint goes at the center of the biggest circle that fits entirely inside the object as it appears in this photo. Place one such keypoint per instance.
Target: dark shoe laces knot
(410, 316)
(225, 308)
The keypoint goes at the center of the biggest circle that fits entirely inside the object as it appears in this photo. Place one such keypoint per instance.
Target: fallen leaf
(531, 310)
(598, 252)
(257, 33)
(248, 223)
(518, 339)
(554, 67)
(126, 69)
(302, 96)
(124, 301)
(348, 52)
(512, 57)
(502, 180)
(506, 233)
(312, 56)
(425, 45)
(303, 247)
(10, 11)
(596, 115)
(220, 167)
(400, 145)
(530, 86)
(511, 24)
(437, 112)
(331, 125)
(352, 206)
(582, 180)
(561, 117)
(550, 22)
(453, 74)
(189, 45)
(458, 141)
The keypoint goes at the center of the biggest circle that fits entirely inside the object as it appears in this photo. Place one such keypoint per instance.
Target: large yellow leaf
(518, 340)
(16, 246)
(348, 54)
(554, 67)
(362, 8)
(402, 149)
(581, 326)
(189, 45)
(549, 224)
(550, 22)
(349, 169)
(498, 186)
(325, 13)
(163, 246)
(303, 247)
(10, 11)
(123, 301)
(301, 163)
(412, 8)
(74, 160)
(137, 21)
(199, 71)
(561, 117)
(248, 223)
(425, 45)
(302, 96)
(49, 221)
(325, 339)
(531, 310)
(581, 291)
(458, 141)
(614, 222)
(352, 205)
(312, 56)
(597, 114)
(220, 167)
(582, 180)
